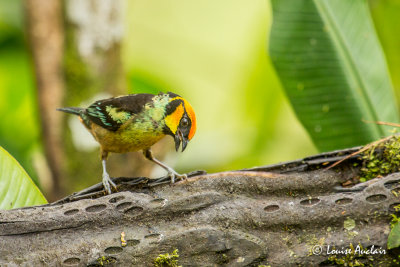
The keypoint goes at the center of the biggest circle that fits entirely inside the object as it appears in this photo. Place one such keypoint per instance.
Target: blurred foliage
(19, 128)
(16, 187)
(211, 52)
(386, 17)
(332, 67)
(215, 57)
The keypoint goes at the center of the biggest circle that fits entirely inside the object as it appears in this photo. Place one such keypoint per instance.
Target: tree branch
(273, 215)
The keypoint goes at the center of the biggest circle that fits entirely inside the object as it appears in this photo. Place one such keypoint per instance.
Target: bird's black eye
(184, 122)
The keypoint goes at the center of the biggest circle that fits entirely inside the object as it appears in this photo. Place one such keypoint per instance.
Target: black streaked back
(133, 104)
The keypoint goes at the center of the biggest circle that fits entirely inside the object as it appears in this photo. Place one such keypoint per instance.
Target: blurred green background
(214, 53)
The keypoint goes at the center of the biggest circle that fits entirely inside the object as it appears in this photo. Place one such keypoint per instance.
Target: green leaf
(16, 187)
(330, 62)
(394, 236)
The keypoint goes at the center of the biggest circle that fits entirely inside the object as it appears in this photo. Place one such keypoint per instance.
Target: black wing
(113, 112)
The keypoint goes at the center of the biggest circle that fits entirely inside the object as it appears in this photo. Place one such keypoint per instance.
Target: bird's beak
(178, 139)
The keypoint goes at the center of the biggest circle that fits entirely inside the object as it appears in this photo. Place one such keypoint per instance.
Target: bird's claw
(107, 182)
(173, 174)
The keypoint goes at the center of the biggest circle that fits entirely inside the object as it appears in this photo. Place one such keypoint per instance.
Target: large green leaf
(16, 187)
(330, 62)
(394, 236)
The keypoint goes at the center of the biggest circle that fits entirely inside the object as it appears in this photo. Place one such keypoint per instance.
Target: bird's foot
(107, 182)
(174, 175)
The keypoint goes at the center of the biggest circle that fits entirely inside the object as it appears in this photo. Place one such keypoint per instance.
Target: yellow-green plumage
(129, 137)
(137, 131)
(118, 116)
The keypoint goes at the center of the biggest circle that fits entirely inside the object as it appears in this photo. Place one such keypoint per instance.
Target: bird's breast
(133, 136)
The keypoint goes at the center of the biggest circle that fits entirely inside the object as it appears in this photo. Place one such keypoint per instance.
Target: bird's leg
(106, 177)
(171, 172)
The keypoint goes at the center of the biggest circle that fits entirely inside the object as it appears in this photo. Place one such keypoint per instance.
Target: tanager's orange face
(180, 120)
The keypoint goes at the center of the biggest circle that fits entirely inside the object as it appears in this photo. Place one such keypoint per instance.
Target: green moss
(105, 260)
(381, 159)
(167, 260)
(349, 224)
(222, 258)
(395, 218)
(352, 258)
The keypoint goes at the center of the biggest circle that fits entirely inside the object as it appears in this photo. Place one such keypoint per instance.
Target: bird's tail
(75, 111)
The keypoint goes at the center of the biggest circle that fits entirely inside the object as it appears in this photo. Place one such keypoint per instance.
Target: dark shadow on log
(274, 215)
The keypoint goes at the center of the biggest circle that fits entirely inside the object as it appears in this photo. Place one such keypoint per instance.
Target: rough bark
(274, 215)
(46, 36)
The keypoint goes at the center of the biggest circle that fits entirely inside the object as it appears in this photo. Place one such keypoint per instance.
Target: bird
(136, 122)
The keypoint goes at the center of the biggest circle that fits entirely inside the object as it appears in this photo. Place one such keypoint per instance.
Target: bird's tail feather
(75, 111)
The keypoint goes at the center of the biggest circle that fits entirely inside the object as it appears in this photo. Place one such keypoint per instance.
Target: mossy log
(276, 215)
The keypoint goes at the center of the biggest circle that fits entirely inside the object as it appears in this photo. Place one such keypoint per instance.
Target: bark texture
(275, 215)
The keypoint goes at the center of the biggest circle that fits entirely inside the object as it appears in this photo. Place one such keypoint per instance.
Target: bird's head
(180, 120)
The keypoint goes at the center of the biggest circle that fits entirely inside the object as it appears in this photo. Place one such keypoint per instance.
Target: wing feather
(113, 112)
